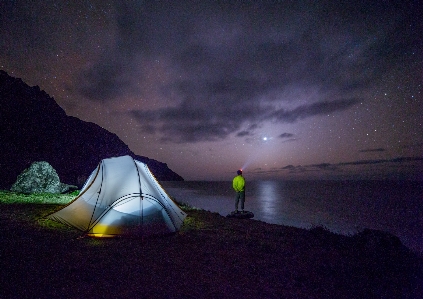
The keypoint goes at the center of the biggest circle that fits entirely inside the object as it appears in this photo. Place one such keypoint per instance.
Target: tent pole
(98, 196)
(141, 199)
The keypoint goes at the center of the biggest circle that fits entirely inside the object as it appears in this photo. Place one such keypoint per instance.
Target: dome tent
(122, 197)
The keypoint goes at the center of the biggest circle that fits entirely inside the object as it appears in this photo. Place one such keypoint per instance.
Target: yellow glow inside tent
(104, 231)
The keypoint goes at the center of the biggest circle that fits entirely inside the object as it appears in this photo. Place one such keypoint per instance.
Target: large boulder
(40, 177)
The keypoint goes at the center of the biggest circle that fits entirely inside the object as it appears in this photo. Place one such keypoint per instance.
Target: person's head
(239, 172)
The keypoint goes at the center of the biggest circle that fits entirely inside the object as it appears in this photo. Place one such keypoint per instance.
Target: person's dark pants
(240, 196)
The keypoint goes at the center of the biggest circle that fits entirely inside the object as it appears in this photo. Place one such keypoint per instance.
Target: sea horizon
(342, 206)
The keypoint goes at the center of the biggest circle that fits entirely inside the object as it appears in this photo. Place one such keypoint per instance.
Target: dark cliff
(33, 127)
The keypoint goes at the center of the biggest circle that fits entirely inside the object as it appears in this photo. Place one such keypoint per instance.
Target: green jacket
(238, 183)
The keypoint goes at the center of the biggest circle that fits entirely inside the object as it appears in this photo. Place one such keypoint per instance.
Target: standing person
(239, 186)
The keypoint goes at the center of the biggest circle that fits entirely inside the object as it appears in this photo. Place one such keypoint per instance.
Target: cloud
(314, 109)
(396, 168)
(341, 167)
(286, 135)
(404, 168)
(379, 161)
(244, 133)
(190, 123)
(309, 168)
(215, 67)
(325, 166)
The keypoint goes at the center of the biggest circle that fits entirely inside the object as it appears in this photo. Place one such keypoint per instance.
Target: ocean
(344, 207)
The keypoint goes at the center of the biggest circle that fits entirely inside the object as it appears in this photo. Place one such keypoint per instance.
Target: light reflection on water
(342, 206)
(267, 197)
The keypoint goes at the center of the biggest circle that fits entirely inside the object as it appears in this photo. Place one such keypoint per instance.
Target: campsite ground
(211, 257)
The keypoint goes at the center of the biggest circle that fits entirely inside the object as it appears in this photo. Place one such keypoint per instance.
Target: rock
(40, 177)
(240, 215)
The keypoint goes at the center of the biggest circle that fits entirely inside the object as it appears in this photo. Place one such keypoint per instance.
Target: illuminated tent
(122, 197)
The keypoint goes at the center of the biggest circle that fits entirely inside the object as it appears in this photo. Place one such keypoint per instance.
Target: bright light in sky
(197, 85)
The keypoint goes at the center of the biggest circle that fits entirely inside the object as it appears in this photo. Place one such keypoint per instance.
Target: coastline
(343, 207)
(211, 257)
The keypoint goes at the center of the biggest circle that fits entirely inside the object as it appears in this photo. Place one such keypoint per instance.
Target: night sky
(282, 89)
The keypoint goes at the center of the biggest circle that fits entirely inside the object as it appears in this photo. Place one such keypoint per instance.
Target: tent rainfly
(122, 197)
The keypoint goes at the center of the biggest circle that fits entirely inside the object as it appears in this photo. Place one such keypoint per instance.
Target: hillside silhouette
(33, 127)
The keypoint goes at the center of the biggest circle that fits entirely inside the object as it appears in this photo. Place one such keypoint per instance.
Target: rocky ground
(211, 257)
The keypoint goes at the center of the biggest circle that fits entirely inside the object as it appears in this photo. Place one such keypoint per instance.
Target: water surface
(344, 207)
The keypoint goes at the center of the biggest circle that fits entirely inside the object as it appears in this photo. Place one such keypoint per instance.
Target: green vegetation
(55, 201)
(36, 198)
(192, 223)
(36, 206)
(202, 260)
(184, 206)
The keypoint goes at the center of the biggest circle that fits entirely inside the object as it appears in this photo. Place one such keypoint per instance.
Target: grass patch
(192, 223)
(9, 197)
(201, 261)
(183, 205)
